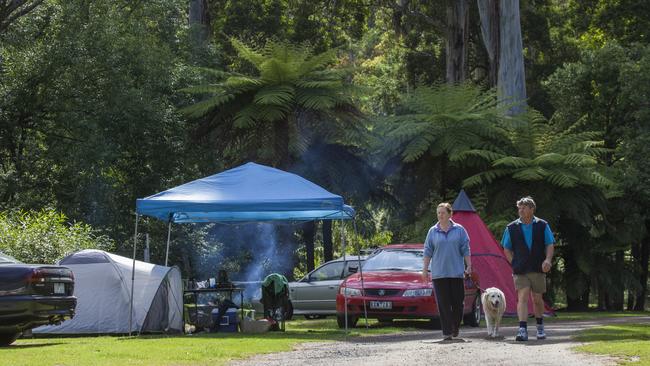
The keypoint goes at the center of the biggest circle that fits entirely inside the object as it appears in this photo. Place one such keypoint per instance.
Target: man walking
(528, 246)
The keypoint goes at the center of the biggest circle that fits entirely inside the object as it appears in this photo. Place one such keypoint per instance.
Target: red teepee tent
(487, 254)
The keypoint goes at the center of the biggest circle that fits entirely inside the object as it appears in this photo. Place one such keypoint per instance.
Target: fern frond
(512, 162)
(417, 147)
(531, 173)
(203, 107)
(248, 53)
(486, 177)
(275, 94)
(318, 62)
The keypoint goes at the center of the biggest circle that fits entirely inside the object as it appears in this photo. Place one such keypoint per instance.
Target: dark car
(393, 288)
(32, 295)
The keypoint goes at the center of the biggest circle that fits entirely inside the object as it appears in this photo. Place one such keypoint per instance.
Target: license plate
(59, 288)
(383, 305)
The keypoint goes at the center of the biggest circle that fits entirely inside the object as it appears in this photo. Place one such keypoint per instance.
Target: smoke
(248, 253)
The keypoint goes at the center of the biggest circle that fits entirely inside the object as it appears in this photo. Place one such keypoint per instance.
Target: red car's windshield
(395, 260)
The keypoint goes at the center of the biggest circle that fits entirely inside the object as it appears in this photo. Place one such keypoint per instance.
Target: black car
(32, 295)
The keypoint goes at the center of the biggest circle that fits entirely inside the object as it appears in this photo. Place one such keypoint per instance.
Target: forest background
(394, 104)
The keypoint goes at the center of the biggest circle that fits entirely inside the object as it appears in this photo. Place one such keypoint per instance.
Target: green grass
(209, 349)
(199, 349)
(628, 342)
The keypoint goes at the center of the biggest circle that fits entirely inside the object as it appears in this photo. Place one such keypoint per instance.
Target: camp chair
(275, 299)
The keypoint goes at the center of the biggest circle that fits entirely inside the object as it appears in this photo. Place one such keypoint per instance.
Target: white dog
(494, 305)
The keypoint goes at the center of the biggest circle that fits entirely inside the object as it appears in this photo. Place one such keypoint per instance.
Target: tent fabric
(250, 192)
(488, 259)
(103, 291)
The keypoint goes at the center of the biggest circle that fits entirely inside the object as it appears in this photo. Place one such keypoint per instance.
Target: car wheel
(7, 338)
(473, 319)
(352, 321)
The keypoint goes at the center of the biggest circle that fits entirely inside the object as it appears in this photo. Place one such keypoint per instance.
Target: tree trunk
(281, 144)
(199, 21)
(643, 276)
(617, 294)
(457, 38)
(577, 294)
(511, 78)
(489, 13)
(635, 250)
(308, 230)
(327, 241)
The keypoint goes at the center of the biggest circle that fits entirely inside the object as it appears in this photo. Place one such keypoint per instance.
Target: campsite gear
(207, 299)
(275, 299)
(222, 317)
(488, 259)
(254, 326)
(103, 288)
(225, 321)
(222, 279)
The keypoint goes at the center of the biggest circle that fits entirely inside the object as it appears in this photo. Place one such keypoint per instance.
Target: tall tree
(11, 10)
(456, 40)
(507, 53)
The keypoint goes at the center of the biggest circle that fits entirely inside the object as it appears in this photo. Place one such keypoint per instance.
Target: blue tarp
(250, 192)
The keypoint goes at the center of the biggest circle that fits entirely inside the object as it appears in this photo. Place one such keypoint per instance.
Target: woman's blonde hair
(447, 205)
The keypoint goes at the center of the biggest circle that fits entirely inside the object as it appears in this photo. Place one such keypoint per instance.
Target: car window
(329, 271)
(4, 259)
(353, 264)
(395, 260)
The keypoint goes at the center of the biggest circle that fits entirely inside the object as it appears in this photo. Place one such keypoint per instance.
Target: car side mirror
(353, 269)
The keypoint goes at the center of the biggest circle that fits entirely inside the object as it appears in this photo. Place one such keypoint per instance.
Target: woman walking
(447, 258)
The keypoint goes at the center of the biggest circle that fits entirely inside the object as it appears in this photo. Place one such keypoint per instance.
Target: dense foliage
(46, 236)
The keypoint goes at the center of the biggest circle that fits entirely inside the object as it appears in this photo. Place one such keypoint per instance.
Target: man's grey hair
(526, 201)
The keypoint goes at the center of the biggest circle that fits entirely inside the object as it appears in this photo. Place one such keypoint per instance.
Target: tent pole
(135, 242)
(345, 293)
(169, 234)
(363, 287)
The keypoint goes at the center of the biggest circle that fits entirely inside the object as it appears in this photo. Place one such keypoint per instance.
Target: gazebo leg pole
(169, 234)
(363, 287)
(135, 244)
(345, 293)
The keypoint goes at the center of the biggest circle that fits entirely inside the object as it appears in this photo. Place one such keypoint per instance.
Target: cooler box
(228, 322)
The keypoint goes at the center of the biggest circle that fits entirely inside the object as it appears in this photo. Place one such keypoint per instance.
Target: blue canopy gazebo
(250, 192)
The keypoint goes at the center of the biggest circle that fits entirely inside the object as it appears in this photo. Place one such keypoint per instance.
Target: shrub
(46, 236)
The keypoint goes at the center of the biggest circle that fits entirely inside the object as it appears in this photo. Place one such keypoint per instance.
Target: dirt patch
(426, 348)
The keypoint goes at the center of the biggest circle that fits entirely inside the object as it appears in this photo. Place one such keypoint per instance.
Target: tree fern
(289, 80)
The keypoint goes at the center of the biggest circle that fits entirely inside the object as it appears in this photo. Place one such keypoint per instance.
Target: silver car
(314, 296)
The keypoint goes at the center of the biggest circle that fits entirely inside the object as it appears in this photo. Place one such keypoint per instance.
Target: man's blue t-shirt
(527, 230)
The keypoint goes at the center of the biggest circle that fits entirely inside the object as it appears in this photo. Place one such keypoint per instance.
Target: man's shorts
(535, 280)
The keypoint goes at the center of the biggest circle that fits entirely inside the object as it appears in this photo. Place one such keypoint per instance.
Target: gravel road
(426, 348)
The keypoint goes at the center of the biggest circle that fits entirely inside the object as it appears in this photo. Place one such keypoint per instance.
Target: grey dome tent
(103, 290)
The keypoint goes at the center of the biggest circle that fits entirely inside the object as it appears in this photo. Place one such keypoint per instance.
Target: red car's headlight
(346, 291)
(418, 292)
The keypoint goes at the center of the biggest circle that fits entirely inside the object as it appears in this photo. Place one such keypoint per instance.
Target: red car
(393, 289)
